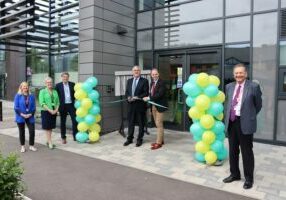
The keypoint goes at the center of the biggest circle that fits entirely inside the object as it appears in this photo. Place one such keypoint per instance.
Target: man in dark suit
(243, 103)
(137, 88)
(65, 91)
(157, 95)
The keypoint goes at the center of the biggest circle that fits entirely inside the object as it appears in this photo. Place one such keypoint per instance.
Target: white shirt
(237, 107)
(67, 93)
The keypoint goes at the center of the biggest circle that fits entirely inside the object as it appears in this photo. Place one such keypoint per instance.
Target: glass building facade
(182, 37)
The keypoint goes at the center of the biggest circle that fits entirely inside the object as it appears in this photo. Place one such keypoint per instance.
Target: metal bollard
(1, 112)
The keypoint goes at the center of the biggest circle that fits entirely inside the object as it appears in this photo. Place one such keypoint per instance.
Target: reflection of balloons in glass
(200, 157)
(203, 79)
(208, 137)
(217, 146)
(87, 87)
(81, 112)
(215, 108)
(86, 103)
(81, 137)
(94, 110)
(195, 113)
(211, 90)
(220, 97)
(193, 78)
(222, 154)
(207, 121)
(218, 127)
(190, 101)
(89, 119)
(82, 126)
(95, 127)
(80, 94)
(77, 104)
(191, 89)
(94, 136)
(214, 80)
(202, 147)
(77, 86)
(93, 95)
(202, 102)
(92, 81)
(97, 118)
(210, 157)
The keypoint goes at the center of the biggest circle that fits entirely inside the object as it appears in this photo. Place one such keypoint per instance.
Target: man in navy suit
(65, 91)
(137, 88)
(243, 103)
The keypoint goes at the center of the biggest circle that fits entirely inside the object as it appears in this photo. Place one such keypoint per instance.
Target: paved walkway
(175, 160)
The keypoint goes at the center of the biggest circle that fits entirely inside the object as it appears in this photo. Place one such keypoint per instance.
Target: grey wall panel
(93, 11)
(91, 45)
(118, 39)
(90, 23)
(87, 3)
(112, 27)
(119, 8)
(116, 59)
(110, 69)
(118, 49)
(90, 34)
(117, 18)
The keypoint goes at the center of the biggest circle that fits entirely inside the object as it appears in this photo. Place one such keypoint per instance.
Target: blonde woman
(49, 101)
(25, 107)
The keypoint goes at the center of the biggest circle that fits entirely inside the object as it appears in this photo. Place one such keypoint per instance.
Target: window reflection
(145, 4)
(283, 53)
(145, 60)
(283, 3)
(260, 5)
(144, 20)
(144, 40)
(237, 29)
(281, 119)
(234, 7)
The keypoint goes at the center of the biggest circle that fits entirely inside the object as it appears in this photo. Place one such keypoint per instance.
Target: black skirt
(48, 120)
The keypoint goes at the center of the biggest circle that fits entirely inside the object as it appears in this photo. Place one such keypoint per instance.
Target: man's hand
(129, 99)
(146, 99)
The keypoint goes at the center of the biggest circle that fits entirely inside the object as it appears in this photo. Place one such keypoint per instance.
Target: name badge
(27, 109)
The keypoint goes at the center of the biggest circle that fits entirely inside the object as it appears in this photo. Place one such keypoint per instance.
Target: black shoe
(247, 185)
(139, 143)
(127, 143)
(231, 179)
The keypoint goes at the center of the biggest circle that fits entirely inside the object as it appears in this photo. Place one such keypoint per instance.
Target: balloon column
(206, 111)
(87, 111)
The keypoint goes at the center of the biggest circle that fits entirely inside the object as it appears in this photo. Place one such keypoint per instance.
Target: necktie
(153, 89)
(134, 86)
(234, 102)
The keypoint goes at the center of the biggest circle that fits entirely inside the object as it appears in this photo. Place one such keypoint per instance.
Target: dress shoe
(247, 185)
(127, 143)
(153, 144)
(64, 141)
(138, 143)
(156, 146)
(231, 179)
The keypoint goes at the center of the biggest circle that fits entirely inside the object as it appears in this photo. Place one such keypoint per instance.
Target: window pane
(145, 60)
(281, 119)
(237, 29)
(2, 52)
(283, 3)
(260, 5)
(283, 53)
(160, 3)
(189, 12)
(234, 7)
(189, 35)
(234, 54)
(144, 20)
(264, 69)
(144, 40)
(145, 4)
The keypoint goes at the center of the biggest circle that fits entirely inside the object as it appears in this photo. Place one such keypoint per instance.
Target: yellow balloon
(220, 116)
(195, 113)
(220, 97)
(210, 157)
(203, 79)
(207, 121)
(77, 86)
(93, 136)
(82, 127)
(208, 137)
(202, 102)
(95, 127)
(202, 147)
(80, 94)
(86, 103)
(97, 118)
(214, 80)
(81, 112)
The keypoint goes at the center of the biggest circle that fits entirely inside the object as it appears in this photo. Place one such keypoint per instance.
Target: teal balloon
(87, 87)
(222, 155)
(217, 146)
(93, 81)
(191, 89)
(190, 101)
(89, 119)
(220, 136)
(193, 78)
(211, 90)
(77, 104)
(79, 119)
(218, 127)
(197, 137)
(94, 110)
(200, 157)
(81, 137)
(215, 108)
(197, 129)
(93, 95)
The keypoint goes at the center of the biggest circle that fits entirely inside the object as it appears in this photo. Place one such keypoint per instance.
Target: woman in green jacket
(49, 102)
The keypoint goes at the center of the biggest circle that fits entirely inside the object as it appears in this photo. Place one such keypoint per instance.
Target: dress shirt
(67, 93)
(237, 107)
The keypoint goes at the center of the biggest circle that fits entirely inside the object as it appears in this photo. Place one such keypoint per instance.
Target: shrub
(11, 184)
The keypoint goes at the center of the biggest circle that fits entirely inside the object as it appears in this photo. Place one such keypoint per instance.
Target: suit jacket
(250, 106)
(20, 107)
(142, 90)
(159, 95)
(61, 93)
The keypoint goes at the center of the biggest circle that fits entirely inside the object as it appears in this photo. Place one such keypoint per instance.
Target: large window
(144, 20)
(264, 69)
(235, 7)
(283, 3)
(283, 53)
(261, 5)
(145, 4)
(237, 29)
(281, 119)
(144, 40)
(193, 11)
(204, 33)
(145, 60)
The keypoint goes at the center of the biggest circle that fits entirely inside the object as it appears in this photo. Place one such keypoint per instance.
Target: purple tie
(234, 103)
